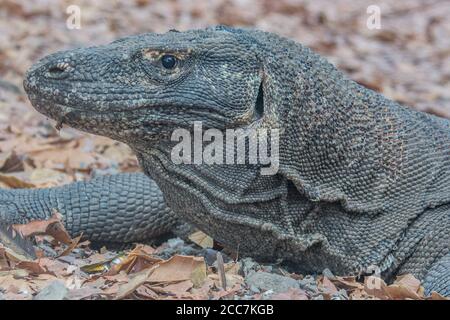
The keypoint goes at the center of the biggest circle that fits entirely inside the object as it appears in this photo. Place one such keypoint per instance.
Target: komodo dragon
(362, 181)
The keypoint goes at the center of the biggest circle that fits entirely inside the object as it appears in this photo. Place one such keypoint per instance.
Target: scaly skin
(362, 180)
(118, 209)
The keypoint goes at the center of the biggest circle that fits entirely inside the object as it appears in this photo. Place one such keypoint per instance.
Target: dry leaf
(83, 293)
(137, 280)
(13, 181)
(328, 288)
(72, 246)
(202, 239)
(8, 255)
(45, 178)
(16, 273)
(10, 162)
(408, 281)
(395, 291)
(53, 227)
(436, 296)
(347, 283)
(32, 266)
(145, 292)
(232, 279)
(180, 268)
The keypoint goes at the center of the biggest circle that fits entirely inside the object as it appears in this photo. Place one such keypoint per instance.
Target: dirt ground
(407, 59)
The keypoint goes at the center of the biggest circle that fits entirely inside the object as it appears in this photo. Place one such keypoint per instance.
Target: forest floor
(407, 60)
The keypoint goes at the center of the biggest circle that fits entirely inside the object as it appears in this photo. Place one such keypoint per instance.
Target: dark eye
(169, 61)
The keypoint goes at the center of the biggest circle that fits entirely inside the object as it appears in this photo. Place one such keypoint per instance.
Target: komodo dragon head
(143, 87)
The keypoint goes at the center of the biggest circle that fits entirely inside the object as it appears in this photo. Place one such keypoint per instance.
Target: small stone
(327, 273)
(268, 281)
(254, 289)
(175, 243)
(56, 290)
(268, 269)
(343, 294)
(189, 251)
(309, 285)
(210, 256)
(249, 265)
(267, 294)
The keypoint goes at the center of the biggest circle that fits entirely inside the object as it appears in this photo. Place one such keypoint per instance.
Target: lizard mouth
(45, 98)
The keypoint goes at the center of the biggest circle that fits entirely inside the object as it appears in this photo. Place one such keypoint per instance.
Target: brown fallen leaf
(32, 266)
(347, 283)
(204, 291)
(180, 268)
(85, 243)
(409, 281)
(179, 288)
(144, 249)
(404, 287)
(398, 292)
(45, 178)
(232, 267)
(17, 245)
(16, 273)
(55, 267)
(41, 281)
(360, 294)
(14, 181)
(72, 246)
(53, 227)
(225, 294)
(202, 239)
(120, 277)
(145, 292)
(137, 280)
(231, 279)
(142, 258)
(82, 293)
(15, 288)
(8, 256)
(436, 296)
(328, 287)
(10, 162)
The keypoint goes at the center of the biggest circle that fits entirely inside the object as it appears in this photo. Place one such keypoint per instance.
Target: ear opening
(259, 104)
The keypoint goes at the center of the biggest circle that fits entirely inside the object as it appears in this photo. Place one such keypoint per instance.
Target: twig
(221, 271)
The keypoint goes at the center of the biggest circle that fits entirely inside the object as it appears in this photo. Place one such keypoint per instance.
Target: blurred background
(407, 59)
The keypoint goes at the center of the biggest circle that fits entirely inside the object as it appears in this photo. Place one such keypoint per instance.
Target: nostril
(59, 70)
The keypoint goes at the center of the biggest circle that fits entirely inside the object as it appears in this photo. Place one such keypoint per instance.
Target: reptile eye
(169, 61)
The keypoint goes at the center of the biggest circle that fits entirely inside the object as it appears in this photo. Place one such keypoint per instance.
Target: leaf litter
(139, 273)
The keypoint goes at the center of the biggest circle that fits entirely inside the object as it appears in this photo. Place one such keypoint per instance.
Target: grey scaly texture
(362, 180)
(113, 210)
